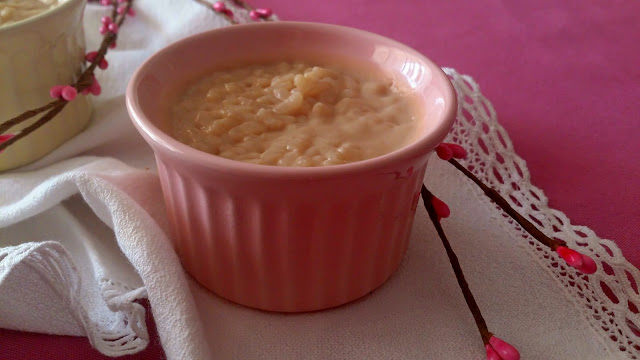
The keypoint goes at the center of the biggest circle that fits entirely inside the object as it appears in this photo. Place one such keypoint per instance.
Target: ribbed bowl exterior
(290, 246)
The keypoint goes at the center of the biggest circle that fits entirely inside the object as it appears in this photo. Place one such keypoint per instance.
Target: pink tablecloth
(563, 76)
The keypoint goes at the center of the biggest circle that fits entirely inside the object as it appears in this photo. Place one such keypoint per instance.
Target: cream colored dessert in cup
(12, 11)
(295, 113)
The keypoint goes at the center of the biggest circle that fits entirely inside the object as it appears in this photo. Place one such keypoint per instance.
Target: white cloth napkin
(75, 264)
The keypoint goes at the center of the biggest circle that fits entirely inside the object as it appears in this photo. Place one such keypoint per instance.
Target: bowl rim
(36, 18)
(160, 141)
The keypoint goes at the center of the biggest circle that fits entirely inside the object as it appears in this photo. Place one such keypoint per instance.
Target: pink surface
(16, 345)
(311, 238)
(563, 76)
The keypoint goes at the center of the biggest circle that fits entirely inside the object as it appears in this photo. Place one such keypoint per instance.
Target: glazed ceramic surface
(278, 238)
(35, 54)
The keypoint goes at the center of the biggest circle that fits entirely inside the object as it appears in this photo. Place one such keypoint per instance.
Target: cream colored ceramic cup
(35, 54)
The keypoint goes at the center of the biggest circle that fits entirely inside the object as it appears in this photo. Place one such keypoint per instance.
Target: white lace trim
(51, 261)
(607, 298)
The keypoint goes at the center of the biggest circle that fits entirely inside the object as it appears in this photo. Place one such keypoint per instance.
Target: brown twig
(243, 5)
(427, 198)
(504, 205)
(31, 128)
(27, 115)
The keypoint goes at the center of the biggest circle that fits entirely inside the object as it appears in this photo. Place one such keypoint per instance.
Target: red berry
(56, 91)
(266, 12)
(458, 151)
(504, 349)
(90, 56)
(444, 152)
(69, 93)
(442, 210)
(219, 6)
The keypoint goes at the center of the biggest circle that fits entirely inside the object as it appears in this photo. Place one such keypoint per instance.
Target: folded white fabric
(97, 285)
(83, 235)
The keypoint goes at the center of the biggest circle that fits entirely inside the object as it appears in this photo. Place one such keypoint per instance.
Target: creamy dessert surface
(12, 11)
(294, 114)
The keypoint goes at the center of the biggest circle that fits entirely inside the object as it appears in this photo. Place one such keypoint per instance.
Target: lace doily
(609, 299)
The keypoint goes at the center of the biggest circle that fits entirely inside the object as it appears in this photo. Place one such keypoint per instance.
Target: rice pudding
(12, 11)
(295, 114)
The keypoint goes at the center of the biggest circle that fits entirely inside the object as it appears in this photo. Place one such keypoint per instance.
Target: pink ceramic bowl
(281, 238)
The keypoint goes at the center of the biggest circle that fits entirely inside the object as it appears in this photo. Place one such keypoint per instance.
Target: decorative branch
(581, 262)
(434, 208)
(86, 82)
(219, 7)
(496, 348)
(259, 14)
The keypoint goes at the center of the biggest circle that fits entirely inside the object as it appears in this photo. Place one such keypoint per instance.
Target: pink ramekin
(283, 238)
